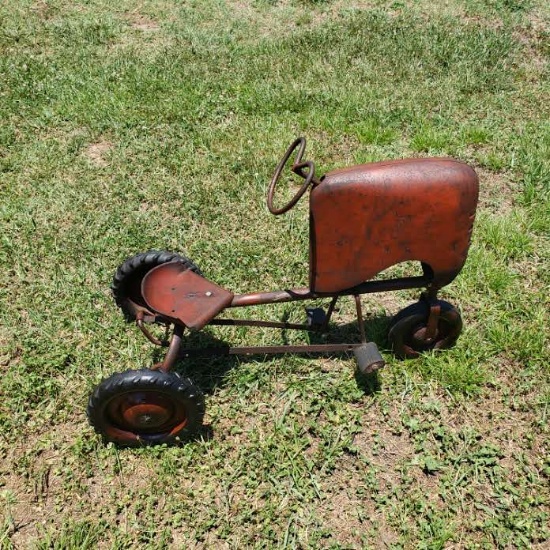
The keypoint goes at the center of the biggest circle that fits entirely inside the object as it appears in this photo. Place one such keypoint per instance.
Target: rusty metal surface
(298, 167)
(140, 322)
(367, 218)
(176, 292)
(144, 412)
(297, 294)
(360, 318)
(173, 351)
(257, 298)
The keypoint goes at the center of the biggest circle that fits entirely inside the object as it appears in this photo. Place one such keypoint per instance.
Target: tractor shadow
(210, 372)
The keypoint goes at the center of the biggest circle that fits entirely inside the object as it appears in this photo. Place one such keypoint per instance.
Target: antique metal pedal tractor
(363, 219)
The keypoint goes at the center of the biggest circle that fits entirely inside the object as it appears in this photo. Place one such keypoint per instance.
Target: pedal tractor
(363, 219)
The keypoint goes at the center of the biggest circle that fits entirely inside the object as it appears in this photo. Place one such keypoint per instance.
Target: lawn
(130, 126)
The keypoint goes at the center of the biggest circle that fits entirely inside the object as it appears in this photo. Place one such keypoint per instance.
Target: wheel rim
(418, 336)
(408, 335)
(146, 413)
(415, 342)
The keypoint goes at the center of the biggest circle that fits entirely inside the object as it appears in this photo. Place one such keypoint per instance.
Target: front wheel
(407, 329)
(145, 407)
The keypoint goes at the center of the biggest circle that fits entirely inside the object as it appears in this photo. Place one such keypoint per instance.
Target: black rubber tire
(408, 322)
(126, 285)
(145, 407)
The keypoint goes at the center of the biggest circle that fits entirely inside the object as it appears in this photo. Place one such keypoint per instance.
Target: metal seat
(174, 291)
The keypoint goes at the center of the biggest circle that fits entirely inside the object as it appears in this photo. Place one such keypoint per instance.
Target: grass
(157, 125)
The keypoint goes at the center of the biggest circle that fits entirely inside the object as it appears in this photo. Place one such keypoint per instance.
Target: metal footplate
(368, 358)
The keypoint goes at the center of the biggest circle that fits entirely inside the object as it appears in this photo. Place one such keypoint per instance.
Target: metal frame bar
(260, 298)
(298, 294)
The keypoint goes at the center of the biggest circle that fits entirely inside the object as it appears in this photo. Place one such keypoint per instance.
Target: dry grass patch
(98, 153)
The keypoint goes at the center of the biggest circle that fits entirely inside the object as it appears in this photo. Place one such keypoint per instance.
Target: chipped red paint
(367, 218)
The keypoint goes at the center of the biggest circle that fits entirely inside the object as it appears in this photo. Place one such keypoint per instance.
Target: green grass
(132, 126)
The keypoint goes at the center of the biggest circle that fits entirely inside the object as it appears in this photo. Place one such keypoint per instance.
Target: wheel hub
(419, 336)
(145, 416)
(144, 411)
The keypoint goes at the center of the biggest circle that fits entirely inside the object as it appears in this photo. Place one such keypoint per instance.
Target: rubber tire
(126, 285)
(414, 317)
(184, 411)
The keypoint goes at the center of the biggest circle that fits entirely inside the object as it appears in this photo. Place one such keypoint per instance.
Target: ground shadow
(209, 372)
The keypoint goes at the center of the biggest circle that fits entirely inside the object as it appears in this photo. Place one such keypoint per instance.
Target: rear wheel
(145, 407)
(407, 330)
(126, 285)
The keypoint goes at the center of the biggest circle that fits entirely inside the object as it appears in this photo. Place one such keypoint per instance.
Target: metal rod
(174, 350)
(330, 311)
(148, 335)
(433, 320)
(296, 294)
(360, 318)
(258, 298)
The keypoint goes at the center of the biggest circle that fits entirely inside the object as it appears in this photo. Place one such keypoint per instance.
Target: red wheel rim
(146, 413)
(408, 329)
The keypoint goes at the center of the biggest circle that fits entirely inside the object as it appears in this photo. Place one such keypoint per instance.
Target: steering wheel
(298, 168)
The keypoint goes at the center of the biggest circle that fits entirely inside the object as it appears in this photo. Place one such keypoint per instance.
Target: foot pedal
(368, 358)
(315, 317)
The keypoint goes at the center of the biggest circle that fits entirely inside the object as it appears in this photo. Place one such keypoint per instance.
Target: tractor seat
(174, 291)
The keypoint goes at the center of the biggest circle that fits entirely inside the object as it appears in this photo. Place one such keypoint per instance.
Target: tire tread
(150, 380)
(142, 262)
